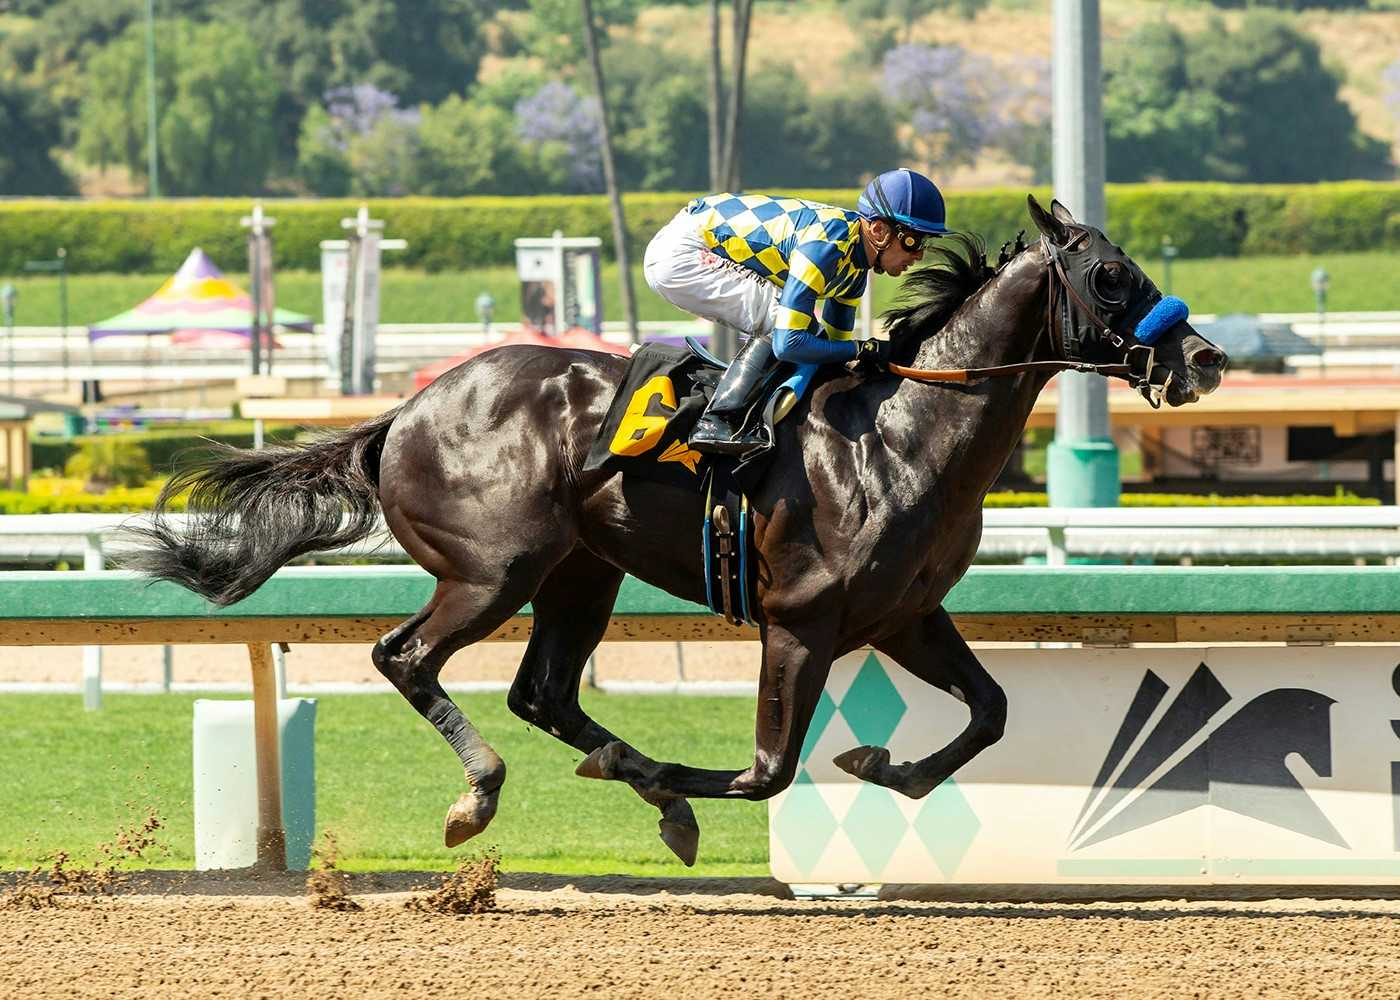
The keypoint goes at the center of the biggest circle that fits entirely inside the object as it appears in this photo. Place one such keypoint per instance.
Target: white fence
(1056, 534)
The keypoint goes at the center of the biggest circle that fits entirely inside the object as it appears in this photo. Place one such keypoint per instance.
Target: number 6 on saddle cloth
(645, 435)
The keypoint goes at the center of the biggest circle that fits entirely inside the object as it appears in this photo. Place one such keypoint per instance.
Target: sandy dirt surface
(196, 936)
(349, 663)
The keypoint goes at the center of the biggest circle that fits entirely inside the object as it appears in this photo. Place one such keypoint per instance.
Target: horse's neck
(1002, 323)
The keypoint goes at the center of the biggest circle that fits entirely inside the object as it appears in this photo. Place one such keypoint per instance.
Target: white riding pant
(685, 272)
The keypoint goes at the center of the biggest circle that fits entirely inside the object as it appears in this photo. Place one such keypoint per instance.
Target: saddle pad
(647, 425)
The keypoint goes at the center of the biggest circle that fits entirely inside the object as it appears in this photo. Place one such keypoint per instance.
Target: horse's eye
(1110, 282)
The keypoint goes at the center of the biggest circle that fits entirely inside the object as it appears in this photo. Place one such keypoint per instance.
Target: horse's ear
(1061, 213)
(1050, 225)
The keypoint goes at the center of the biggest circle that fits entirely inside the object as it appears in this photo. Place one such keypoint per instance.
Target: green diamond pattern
(804, 824)
(947, 826)
(875, 826)
(872, 707)
(826, 708)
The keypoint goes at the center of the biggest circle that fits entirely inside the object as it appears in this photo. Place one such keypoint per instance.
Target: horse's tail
(251, 511)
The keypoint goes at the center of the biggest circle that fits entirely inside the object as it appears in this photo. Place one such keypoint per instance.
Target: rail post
(92, 655)
(272, 837)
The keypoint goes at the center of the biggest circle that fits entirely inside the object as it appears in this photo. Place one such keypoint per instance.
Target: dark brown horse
(870, 512)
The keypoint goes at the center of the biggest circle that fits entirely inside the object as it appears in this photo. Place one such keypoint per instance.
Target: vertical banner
(366, 325)
(268, 300)
(1137, 766)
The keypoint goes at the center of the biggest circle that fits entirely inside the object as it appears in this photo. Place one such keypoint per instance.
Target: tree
(360, 143)
(30, 131)
(872, 17)
(215, 99)
(556, 31)
(558, 114)
(1157, 122)
(629, 301)
(958, 104)
(1271, 77)
(1254, 104)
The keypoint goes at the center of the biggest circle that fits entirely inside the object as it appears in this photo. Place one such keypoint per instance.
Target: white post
(167, 668)
(92, 655)
(560, 277)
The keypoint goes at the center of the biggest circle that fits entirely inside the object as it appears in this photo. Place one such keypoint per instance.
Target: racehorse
(870, 511)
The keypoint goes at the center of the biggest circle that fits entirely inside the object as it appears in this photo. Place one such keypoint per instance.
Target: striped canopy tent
(196, 306)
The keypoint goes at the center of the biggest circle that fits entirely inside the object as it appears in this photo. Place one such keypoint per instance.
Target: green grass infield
(1359, 282)
(384, 780)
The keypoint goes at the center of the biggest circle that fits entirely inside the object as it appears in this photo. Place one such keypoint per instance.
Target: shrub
(109, 461)
(460, 233)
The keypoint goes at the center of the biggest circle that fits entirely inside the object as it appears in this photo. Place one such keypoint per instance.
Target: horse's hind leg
(571, 611)
(412, 656)
(931, 649)
(796, 660)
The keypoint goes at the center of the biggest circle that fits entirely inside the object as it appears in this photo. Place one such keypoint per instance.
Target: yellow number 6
(639, 432)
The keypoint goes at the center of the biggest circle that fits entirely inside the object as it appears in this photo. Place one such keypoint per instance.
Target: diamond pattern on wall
(804, 824)
(947, 826)
(875, 826)
(872, 706)
(826, 708)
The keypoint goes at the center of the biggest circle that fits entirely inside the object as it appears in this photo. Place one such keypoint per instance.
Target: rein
(1138, 375)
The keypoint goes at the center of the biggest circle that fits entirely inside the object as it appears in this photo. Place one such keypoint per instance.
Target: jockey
(789, 273)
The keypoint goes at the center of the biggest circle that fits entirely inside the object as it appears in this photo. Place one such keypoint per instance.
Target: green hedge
(121, 500)
(162, 447)
(1203, 220)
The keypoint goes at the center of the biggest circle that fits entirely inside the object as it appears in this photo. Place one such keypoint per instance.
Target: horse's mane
(931, 294)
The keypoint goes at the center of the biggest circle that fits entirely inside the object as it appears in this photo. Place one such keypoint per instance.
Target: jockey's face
(896, 257)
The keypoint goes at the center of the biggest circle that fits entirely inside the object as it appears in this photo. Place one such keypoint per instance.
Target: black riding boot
(718, 431)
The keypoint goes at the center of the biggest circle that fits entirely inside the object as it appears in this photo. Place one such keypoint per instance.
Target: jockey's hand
(873, 356)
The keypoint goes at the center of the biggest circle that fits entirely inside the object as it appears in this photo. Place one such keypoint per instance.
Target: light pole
(1320, 280)
(485, 309)
(1082, 461)
(8, 294)
(152, 157)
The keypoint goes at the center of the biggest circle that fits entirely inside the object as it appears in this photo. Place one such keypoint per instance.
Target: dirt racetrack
(204, 935)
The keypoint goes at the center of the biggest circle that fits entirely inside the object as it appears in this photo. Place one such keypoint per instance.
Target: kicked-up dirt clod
(470, 889)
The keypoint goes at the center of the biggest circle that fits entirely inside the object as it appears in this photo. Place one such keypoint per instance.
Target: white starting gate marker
(350, 301)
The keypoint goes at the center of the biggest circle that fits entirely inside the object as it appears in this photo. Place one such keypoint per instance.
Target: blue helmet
(905, 197)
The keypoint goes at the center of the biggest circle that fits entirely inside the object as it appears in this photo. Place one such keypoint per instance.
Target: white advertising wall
(1266, 765)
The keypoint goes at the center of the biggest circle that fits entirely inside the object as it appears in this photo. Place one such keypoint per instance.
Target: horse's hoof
(469, 815)
(864, 763)
(684, 841)
(679, 831)
(601, 763)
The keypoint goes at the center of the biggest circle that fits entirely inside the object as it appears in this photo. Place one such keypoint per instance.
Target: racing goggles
(911, 241)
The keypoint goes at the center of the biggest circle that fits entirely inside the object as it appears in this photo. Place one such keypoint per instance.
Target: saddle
(645, 436)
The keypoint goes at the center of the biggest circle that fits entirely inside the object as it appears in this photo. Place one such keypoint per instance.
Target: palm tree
(629, 301)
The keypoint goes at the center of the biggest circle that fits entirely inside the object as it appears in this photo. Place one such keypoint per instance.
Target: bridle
(1061, 322)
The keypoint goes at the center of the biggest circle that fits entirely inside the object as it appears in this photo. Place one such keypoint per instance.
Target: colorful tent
(197, 298)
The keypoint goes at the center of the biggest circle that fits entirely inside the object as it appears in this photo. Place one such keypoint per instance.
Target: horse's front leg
(796, 660)
(931, 649)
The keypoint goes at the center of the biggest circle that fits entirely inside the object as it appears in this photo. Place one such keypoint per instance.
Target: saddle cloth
(666, 389)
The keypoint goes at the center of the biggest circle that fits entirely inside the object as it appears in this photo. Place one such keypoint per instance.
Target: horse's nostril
(1207, 357)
